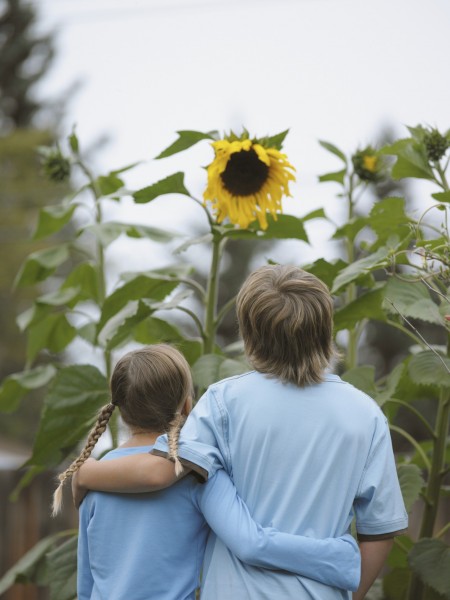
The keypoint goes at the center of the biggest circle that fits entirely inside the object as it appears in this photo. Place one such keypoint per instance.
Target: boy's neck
(141, 438)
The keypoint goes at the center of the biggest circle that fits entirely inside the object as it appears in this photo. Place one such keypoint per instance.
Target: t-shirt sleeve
(203, 443)
(85, 582)
(332, 561)
(379, 508)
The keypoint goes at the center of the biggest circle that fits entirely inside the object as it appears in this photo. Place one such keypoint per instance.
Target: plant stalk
(353, 334)
(417, 589)
(101, 282)
(218, 245)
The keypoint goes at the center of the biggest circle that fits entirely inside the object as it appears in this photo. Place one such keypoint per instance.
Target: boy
(306, 451)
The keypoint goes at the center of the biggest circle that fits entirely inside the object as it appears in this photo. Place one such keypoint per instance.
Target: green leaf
(362, 378)
(202, 239)
(398, 555)
(361, 267)
(73, 142)
(334, 150)
(319, 213)
(84, 278)
(367, 306)
(411, 299)
(430, 559)
(144, 285)
(53, 333)
(185, 140)
(107, 232)
(350, 230)
(173, 184)
(426, 368)
(210, 368)
(41, 264)
(411, 161)
(276, 141)
(126, 168)
(326, 271)
(62, 564)
(411, 483)
(388, 218)
(392, 382)
(62, 297)
(154, 331)
(69, 412)
(88, 332)
(442, 196)
(26, 569)
(337, 176)
(43, 306)
(16, 386)
(119, 329)
(284, 227)
(52, 219)
(108, 184)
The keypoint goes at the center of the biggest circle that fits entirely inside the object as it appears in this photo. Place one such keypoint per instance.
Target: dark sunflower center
(245, 173)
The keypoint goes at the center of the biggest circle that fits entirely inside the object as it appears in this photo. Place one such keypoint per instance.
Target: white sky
(338, 70)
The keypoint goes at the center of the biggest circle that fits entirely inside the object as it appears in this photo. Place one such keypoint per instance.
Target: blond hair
(285, 318)
(150, 387)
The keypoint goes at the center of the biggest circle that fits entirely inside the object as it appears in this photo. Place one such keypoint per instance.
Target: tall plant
(402, 279)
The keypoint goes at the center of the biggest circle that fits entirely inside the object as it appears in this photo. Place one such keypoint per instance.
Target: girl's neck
(141, 438)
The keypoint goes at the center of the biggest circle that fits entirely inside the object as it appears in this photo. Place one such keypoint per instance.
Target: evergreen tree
(26, 58)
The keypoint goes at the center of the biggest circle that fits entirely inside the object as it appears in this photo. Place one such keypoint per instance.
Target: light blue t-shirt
(304, 460)
(151, 546)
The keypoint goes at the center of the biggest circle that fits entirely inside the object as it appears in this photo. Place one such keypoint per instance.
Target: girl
(141, 546)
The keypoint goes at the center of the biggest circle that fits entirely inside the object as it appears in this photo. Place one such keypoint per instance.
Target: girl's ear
(187, 407)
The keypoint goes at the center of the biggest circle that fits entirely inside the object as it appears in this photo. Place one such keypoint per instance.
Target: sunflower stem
(218, 245)
(101, 282)
(351, 293)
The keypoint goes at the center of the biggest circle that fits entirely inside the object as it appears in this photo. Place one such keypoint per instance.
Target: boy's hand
(78, 491)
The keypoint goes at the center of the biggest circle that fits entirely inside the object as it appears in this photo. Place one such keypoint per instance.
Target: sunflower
(246, 180)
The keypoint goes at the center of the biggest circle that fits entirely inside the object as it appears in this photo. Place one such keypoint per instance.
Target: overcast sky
(339, 70)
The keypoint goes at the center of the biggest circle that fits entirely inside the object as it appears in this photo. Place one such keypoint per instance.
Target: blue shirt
(151, 546)
(304, 460)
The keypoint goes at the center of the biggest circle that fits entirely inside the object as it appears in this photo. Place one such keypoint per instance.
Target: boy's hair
(149, 386)
(285, 318)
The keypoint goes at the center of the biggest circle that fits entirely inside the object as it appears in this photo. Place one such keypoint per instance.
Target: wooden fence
(24, 522)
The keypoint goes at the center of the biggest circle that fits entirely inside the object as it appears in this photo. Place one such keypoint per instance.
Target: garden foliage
(395, 270)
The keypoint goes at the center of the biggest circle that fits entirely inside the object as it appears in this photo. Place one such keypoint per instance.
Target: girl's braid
(100, 426)
(173, 436)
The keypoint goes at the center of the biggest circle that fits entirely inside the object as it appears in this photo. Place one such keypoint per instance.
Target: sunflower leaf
(334, 150)
(411, 161)
(284, 227)
(276, 141)
(430, 558)
(185, 140)
(337, 176)
(173, 184)
(442, 196)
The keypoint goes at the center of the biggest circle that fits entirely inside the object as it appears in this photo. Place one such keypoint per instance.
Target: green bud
(367, 164)
(56, 166)
(436, 145)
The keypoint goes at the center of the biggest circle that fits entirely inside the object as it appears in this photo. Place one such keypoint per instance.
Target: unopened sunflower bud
(436, 145)
(367, 164)
(56, 166)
